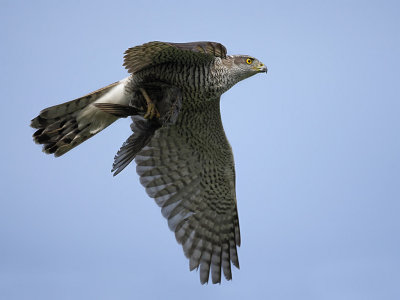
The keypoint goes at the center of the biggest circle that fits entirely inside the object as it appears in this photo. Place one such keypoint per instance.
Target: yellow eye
(249, 61)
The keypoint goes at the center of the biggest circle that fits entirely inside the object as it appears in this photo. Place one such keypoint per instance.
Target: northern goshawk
(183, 157)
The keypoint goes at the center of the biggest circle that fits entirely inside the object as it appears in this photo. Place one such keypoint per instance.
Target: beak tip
(264, 69)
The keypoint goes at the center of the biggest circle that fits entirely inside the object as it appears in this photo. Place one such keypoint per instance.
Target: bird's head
(244, 66)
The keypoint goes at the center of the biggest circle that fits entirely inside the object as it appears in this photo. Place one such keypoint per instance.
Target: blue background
(316, 145)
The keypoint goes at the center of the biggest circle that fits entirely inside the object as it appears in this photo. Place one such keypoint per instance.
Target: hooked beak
(261, 68)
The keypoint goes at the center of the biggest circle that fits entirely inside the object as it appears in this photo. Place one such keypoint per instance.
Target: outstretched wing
(189, 171)
(154, 53)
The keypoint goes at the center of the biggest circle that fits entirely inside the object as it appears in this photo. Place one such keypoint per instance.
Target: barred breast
(196, 81)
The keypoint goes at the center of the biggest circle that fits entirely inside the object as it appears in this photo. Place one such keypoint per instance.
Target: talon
(151, 107)
(151, 111)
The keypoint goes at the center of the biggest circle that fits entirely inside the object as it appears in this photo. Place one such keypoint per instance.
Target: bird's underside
(183, 157)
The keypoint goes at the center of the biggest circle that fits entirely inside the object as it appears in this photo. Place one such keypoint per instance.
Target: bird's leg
(151, 107)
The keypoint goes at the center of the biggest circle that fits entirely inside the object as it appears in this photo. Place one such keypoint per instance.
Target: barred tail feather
(63, 127)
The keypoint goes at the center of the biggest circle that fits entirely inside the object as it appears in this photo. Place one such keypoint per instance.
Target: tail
(63, 127)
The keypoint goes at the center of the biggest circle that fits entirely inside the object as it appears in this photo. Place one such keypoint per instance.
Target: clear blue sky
(316, 145)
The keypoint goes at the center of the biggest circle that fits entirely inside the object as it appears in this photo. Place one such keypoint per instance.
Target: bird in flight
(183, 157)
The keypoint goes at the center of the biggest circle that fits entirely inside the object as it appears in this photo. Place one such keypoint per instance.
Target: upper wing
(189, 171)
(154, 53)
